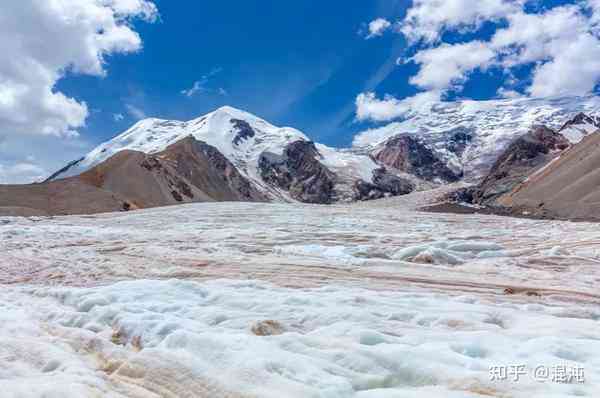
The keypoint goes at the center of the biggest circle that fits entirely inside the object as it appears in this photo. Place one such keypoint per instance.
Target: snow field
(336, 341)
(272, 300)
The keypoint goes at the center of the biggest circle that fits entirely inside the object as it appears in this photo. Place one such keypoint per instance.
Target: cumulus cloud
(85, 31)
(428, 19)
(448, 65)
(377, 27)
(369, 107)
(560, 46)
(41, 42)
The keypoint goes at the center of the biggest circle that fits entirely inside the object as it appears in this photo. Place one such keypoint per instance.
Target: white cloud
(17, 173)
(84, 31)
(561, 42)
(377, 27)
(135, 112)
(196, 87)
(41, 42)
(117, 117)
(428, 19)
(594, 5)
(28, 158)
(369, 107)
(560, 45)
(504, 92)
(447, 65)
(201, 85)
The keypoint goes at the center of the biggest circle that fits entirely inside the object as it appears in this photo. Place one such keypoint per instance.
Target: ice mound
(450, 252)
(338, 254)
(184, 338)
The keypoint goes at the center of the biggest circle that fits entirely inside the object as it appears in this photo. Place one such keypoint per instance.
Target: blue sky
(75, 73)
(293, 63)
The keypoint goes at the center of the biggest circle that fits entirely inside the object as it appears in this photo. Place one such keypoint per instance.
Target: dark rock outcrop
(522, 157)
(210, 171)
(579, 119)
(64, 169)
(384, 184)
(459, 140)
(405, 152)
(244, 131)
(567, 188)
(299, 172)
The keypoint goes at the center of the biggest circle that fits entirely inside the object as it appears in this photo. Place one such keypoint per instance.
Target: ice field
(288, 300)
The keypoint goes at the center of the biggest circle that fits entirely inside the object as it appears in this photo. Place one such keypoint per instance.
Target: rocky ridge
(229, 154)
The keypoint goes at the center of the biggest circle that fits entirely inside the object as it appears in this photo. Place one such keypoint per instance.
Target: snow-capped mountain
(481, 130)
(436, 144)
(238, 135)
(242, 138)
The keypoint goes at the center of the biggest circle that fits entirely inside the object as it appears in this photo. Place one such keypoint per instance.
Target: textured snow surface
(369, 300)
(577, 132)
(347, 163)
(493, 124)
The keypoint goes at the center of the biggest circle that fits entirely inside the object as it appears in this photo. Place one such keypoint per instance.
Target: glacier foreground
(369, 299)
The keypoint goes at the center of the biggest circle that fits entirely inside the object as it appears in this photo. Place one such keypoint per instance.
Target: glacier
(371, 299)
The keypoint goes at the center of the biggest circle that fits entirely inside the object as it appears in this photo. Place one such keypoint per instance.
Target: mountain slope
(468, 136)
(568, 187)
(436, 144)
(186, 171)
(238, 135)
(244, 139)
(522, 157)
(68, 196)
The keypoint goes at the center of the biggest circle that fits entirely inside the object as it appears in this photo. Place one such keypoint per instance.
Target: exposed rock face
(64, 169)
(459, 141)
(581, 119)
(568, 187)
(406, 153)
(384, 184)
(299, 172)
(523, 156)
(144, 180)
(244, 130)
(209, 170)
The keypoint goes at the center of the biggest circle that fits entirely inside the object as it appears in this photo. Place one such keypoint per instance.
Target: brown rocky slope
(187, 171)
(568, 187)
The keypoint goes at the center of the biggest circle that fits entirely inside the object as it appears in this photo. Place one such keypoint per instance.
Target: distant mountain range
(232, 155)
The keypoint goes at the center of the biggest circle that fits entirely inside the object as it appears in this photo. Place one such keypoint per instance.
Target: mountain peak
(237, 134)
(230, 112)
(228, 109)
